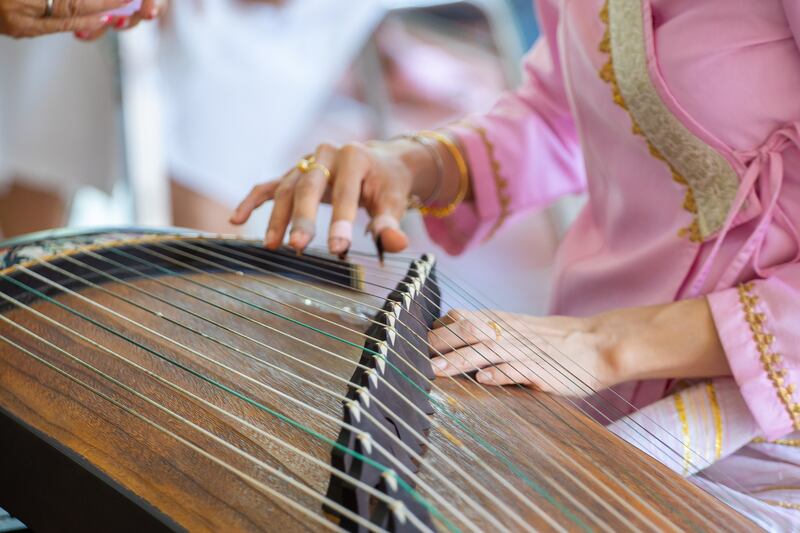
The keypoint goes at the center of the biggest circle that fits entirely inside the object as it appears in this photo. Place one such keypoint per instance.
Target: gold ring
(307, 164)
(498, 331)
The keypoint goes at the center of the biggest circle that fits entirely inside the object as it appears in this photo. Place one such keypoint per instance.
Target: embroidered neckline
(608, 75)
(771, 361)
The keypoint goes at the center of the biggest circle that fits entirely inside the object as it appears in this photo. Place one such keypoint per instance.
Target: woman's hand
(379, 176)
(149, 10)
(27, 18)
(677, 340)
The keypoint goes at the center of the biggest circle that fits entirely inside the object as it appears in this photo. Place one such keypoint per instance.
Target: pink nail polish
(121, 23)
(105, 19)
(82, 34)
(153, 13)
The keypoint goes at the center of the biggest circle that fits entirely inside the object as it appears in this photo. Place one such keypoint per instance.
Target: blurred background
(171, 124)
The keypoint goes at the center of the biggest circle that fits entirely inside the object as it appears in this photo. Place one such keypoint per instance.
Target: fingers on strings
(463, 342)
(335, 175)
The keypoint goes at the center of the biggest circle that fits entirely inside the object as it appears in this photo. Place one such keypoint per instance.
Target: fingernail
(105, 19)
(121, 23)
(153, 13)
(298, 239)
(484, 376)
(337, 245)
(272, 235)
(440, 363)
(82, 34)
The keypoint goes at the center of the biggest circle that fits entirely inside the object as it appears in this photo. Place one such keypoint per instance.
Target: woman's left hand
(573, 356)
(508, 348)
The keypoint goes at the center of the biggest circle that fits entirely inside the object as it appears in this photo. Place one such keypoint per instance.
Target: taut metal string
(383, 469)
(338, 396)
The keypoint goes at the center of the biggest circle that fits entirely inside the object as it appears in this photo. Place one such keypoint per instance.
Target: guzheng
(163, 381)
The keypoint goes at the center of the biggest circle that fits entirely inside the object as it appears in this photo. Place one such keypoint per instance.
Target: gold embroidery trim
(785, 505)
(780, 442)
(717, 415)
(771, 361)
(501, 184)
(608, 75)
(687, 452)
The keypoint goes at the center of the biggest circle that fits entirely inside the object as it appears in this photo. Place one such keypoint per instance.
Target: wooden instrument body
(569, 468)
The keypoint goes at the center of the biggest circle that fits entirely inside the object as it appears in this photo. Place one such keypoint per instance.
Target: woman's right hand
(379, 176)
(27, 18)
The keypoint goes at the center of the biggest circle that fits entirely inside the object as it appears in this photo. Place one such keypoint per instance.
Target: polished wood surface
(567, 461)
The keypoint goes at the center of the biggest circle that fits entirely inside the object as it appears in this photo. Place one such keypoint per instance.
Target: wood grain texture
(571, 471)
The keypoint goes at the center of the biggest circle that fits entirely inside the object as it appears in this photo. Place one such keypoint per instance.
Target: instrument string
(491, 471)
(255, 483)
(280, 416)
(311, 383)
(217, 265)
(391, 502)
(470, 292)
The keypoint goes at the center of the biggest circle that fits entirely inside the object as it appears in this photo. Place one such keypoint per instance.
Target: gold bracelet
(463, 170)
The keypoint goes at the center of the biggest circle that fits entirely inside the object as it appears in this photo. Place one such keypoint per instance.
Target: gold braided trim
(780, 442)
(501, 184)
(772, 362)
(608, 75)
(775, 488)
(717, 415)
(687, 452)
(785, 505)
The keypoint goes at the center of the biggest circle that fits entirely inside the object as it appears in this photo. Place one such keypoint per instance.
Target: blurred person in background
(59, 127)
(244, 82)
(678, 286)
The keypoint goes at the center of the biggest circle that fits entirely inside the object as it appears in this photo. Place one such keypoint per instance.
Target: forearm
(671, 341)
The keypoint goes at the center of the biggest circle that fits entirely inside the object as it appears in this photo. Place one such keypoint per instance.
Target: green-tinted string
(491, 449)
(383, 469)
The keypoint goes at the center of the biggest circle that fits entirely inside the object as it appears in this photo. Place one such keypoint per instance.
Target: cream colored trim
(713, 182)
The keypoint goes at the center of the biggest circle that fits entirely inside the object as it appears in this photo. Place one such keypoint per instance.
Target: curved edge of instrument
(74, 493)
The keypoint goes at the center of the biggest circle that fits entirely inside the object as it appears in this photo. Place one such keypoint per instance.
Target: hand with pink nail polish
(379, 176)
(32, 18)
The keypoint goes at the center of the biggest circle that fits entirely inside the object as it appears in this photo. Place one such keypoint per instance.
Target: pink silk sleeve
(522, 155)
(759, 324)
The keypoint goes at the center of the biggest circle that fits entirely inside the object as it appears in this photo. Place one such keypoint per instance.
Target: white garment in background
(243, 83)
(59, 124)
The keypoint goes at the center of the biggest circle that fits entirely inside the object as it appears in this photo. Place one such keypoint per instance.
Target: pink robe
(681, 120)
